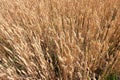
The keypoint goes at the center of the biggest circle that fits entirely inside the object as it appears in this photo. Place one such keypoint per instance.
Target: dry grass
(59, 39)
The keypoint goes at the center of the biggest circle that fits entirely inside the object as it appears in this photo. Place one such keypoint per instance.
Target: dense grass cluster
(59, 39)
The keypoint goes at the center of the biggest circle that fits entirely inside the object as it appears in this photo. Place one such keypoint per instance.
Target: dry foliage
(59, 39)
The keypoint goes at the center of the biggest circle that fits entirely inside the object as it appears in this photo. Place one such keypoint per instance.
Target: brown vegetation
(59, 39)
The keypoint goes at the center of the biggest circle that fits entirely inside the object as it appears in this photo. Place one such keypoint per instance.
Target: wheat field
(59, 39)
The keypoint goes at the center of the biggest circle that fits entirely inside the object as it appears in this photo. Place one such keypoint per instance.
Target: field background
(59, 39)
